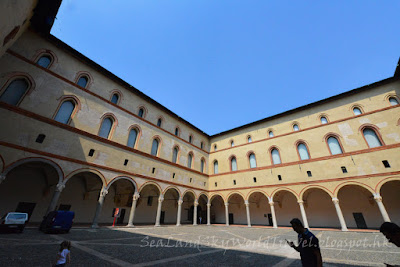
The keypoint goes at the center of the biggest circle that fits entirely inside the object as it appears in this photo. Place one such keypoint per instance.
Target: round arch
(212, 197)
(232, 193)
(94, 171)
(150, 183)
(172, 187)
(203, 194)
(378, 187)
(35, 159)
(302, 192)
(189, 191)
(130, 179)
(337, 189)
(284, 189)
(256, 191)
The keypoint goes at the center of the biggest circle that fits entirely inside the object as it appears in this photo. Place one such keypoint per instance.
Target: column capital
(161, 198)
(60, 187)
(226, 204)
(135, 196)
(377, 197)
(246, 202)
(301, 202)
(180, 201)
(271, 203)
(103, 192)
(196, 203)
(208, 204)
(335, 200)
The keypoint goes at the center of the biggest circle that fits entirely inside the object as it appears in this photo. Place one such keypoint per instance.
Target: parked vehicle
(14, 221)
(59, 221)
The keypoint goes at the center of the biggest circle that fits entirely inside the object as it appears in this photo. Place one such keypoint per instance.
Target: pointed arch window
(83, 81)
(115, 98)
(252, 159)
(177, 131)
(357, 111)
(141, 113)
(215, 147)
(133, 134)
(215, 167)
(105, 127)
(201, 145)
(190, 139)
(393, 101)
(190, 160)
(159, 122)
(271, 134)
(65, 111)
(15, 92)
(175, 155)
(154, 147)
(276, 158)
(296, 127)
(334, 146)
(372, 138)
(303, 151)
(233, 164)
(44, 61)
(202, 164)
(232, 143)
(324, 120)
(249, 140)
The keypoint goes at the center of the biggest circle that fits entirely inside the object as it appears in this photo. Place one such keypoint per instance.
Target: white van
(14, 221)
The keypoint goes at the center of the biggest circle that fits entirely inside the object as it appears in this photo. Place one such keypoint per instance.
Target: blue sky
(220, 64)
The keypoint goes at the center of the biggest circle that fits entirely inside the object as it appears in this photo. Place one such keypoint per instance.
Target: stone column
(195, 212)
(339, 214)
(160, 201)
(271, 205)
(381, 207)
(2, 178)
(303, 213)
(208, 213)
(56, 196)
(246, 202)
(178, 215)
(226, 214)
(135, 198)
(100, 202)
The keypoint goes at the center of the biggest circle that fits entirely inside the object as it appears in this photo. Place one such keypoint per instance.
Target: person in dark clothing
(392, 232)
(308, 247)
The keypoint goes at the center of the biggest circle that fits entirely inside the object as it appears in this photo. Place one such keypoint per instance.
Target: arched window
(115, 98)
(159, 122)
(175, 155)
(141, 113)
(14, 92)
(154, 147)
(215, 147)
(276, 158)
(252, 159)
(65, 111)
(177, 131)
(83, 81)
(249, 139)
(233, 164)
(295, 127)
(372, 138)
(190, 139)
(44, 61)
(393, 101)
(324, 120)
(133, 134)
(334, 146)
(105, 128)
(215, 167)
(202, 164)
(190, 159)
(201, 145)
(357, 111)
(232, 143)
(271, 134)
(303, 152)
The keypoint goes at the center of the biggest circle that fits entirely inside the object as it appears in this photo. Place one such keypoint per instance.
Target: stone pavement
(192, 245)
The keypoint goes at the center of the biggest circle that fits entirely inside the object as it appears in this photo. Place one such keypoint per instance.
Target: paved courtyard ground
(192, 245)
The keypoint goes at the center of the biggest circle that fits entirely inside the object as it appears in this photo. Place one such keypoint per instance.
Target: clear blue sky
(220, 64)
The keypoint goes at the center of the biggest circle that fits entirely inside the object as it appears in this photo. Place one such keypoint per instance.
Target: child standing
(63, 256)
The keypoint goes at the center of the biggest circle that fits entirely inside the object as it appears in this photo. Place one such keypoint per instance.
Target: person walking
(64, 254)
(308, 247)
